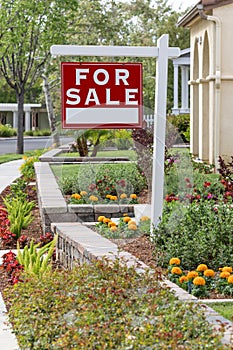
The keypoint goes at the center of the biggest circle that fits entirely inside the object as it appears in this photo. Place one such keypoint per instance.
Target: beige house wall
(212, 124)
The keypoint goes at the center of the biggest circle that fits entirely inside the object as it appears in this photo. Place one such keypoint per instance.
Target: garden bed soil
(141, 247)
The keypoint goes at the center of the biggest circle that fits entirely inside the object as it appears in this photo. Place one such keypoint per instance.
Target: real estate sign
(101, 95)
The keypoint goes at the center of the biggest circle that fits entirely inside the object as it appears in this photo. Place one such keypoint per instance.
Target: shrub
(98, 306)
(27, 168)
(7, 131)
(194, 232)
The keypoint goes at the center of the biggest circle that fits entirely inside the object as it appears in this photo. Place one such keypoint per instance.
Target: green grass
(14, 156)
(225, 309)
(118, 153)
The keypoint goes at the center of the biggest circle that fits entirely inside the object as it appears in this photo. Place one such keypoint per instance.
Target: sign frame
(162, 52)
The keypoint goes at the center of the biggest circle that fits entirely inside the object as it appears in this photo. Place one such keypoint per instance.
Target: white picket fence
(149, 118)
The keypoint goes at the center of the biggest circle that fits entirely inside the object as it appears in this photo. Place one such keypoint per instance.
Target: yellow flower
(126, 219)
(227, 269)
(132, 222)
(224, 274)
(93, 198)
(106, 220)
(101, 218)
(123, 196)
(144, 218)
(132, 227)
(113, 228)
(202, 267)
(176, 271)
(199, 281)
(83, 193)
(133, 196)
(192, 274)
(113, 198)
(209, 273)
(183, 279)
(108, 196)
(76, 196)
(174, 261)
(111, 223)
(230, 279)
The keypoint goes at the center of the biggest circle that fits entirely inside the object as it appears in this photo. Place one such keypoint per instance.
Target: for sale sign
(101, 95)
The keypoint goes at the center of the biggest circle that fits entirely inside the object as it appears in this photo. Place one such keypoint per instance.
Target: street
(8, 145)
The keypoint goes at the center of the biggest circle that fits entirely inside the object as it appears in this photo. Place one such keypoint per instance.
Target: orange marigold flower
(176, 271)
(192, 274)
(113, 198)
(199, 281)
(227, 269)
(113, 228)
(230, 279)
(83, 193)
(132, 222)
(209, 273)
(93, 198)
(224, 274)
(202, 267)
(174, 261)
(101, 218)
(76, 196)
(183, 279)
(108, 196)
(132, 227)
(144, 218)
(111, 223)
(126, 219)
(123, 196)
(133, 196)
(106, 220)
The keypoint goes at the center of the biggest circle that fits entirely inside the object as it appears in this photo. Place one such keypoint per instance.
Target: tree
(28, 29)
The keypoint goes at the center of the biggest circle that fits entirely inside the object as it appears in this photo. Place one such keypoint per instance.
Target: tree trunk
(82, 146)
(50, 111)
(20, 141)
(96, 146)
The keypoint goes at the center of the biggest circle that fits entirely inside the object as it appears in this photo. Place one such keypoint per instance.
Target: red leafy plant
(6, 236)
(12, 267)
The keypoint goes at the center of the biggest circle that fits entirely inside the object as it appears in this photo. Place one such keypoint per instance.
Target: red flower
(207, 184)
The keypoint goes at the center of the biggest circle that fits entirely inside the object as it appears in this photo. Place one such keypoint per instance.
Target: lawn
(225, 309)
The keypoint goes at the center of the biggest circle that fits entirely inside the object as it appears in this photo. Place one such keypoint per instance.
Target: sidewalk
(8, 173)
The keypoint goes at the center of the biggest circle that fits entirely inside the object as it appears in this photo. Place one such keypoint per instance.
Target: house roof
(193, 13)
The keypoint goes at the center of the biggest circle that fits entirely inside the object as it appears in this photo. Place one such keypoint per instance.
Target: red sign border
(137, 125)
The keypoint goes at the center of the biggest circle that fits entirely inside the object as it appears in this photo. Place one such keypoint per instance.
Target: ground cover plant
(103, 306)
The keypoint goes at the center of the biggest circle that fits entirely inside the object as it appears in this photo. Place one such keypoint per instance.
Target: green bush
(42, 132)
(7, 130)
(103, 175)
(182, 124)
(98, 306)
(196, 233)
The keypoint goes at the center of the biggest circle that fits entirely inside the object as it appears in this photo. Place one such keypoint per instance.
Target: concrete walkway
(8, 173)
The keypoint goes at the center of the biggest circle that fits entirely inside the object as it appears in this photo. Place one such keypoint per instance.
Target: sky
(182, 4)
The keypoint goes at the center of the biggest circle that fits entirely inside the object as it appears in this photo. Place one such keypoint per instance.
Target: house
(35, 117)
(211, 79)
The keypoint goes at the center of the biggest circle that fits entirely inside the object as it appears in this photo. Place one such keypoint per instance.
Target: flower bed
(202, 282)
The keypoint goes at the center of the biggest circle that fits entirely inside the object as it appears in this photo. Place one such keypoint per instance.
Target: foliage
(123, 139)
(105, 306)
(226, 171)
(7, 131)
(43, 132)
(181, 122)
(36, 260)
(12, 267)
(19, 214)
(195, 231)
(102, 177)
(6, 236)
(27, 168)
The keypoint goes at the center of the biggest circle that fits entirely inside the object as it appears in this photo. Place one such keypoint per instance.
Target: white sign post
(162, 52)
